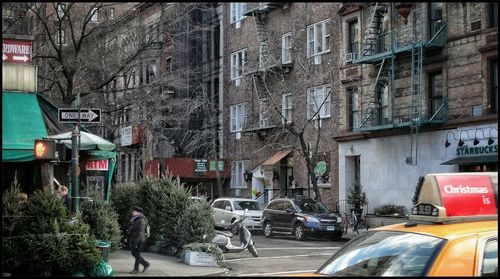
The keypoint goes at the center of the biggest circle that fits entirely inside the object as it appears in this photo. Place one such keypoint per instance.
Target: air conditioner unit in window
(351, 56)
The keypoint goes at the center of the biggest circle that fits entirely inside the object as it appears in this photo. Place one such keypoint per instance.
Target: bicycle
(352, 221)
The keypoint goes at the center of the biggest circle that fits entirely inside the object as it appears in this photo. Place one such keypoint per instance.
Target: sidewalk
(122, 263)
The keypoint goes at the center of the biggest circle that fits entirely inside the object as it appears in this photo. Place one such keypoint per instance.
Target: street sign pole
(75, 190)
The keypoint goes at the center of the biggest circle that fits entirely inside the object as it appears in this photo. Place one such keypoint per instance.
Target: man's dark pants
(136, 248)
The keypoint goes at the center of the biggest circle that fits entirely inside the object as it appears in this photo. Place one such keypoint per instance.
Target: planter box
(380, 221)
(200, 258)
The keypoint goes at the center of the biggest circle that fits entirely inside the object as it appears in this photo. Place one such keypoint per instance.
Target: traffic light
(45, 149)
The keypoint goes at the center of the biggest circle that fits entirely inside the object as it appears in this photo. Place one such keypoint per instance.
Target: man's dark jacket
(137, 229)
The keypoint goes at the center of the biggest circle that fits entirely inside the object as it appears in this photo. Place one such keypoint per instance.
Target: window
(238, 168)
(489, 265)
(264, 113)
(493, 14)
(493, 86)
(61, 8)
(238, 62)
(168, 64)
(111, 12)
(61, 36)
(435, 93)
(94, 15)
(353, 38)
(287, 108)
(151, 73)
(132, 77)
(383, 104)
(237, 10)
(436, 17)
(238, 117)
(353, 96)
(286, 48)
(318, 102)
(318, 38)
(125, 81)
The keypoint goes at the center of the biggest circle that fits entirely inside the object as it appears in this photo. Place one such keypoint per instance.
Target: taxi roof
(446, 231)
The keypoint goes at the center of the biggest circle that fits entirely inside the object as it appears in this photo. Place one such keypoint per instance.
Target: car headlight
(311, 219)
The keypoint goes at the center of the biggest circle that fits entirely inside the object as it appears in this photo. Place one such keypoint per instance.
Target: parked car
(300, 216)
(226, 210)
(442, 237)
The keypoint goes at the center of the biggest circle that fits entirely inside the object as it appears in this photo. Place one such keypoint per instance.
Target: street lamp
(490, 139)
(461, 142)
(447, 143)
(476, 141)
(247, 176)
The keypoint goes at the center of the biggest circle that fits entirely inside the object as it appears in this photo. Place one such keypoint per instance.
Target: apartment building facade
(419, 95)
(280, 67)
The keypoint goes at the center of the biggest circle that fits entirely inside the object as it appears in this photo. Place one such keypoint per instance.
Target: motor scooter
(223, 238)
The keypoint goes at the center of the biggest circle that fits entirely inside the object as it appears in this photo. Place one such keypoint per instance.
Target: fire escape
(387, 43)
(268, 64)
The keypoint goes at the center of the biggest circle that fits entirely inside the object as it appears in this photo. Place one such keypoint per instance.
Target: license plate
(330, 228)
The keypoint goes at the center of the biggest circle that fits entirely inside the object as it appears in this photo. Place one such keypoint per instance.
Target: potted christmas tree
(357, 198)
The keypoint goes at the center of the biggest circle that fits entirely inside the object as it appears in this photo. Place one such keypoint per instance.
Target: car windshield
(384, 253)
(311, 206)
(250, 205)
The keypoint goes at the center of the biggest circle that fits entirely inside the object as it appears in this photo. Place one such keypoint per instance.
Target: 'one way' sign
(86, 115)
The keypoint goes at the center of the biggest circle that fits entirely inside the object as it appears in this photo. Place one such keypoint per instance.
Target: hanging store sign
(98, 165)
(200, 166)
(17, 51)
(126, 136)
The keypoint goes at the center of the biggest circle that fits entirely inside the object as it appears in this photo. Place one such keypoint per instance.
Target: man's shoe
(146, 267)
(134, 271)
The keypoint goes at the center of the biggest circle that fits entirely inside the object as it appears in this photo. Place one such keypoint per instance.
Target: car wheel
(234, 229)
(298, 231)
(268, 229)
(337, 236)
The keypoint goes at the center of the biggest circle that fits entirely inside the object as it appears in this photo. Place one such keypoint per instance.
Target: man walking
(137, 238)
(62, 193)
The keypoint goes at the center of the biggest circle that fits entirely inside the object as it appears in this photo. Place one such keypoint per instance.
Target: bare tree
(70, 50)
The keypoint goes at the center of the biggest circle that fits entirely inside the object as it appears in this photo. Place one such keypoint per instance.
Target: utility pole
(75, 150)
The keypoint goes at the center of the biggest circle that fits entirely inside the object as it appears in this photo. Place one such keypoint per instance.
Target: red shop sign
(99, 165)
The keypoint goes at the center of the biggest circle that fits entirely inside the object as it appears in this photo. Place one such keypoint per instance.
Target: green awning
(22, 123)
(472, 160)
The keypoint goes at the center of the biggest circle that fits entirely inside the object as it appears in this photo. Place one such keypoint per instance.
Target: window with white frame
(238, 168)
(151, 73)
(286, 108)
(318, 102)
(286, 48)
(318, 38)
(111, 12)
(60, 36)
(237, 10)
(238, 62)
(61, 9)
(238, 117)
(94, 14)
(264, 113)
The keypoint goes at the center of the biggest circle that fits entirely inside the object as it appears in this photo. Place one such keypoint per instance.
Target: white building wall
(384, 174)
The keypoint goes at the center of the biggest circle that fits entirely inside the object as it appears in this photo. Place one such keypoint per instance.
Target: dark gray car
(300, 217)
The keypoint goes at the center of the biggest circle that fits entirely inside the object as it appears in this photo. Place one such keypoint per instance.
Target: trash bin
(104, 246)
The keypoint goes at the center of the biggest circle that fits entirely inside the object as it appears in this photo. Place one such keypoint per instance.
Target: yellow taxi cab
(452, 231)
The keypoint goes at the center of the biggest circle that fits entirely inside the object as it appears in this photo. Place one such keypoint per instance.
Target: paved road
(281, 255)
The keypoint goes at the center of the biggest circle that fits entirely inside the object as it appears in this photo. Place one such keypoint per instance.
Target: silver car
(226, 210)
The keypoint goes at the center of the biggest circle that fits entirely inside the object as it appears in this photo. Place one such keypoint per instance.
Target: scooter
(223, 238)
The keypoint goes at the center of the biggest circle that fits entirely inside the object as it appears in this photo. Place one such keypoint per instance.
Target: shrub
(195, 224)
(123, 199)
(356, 196)
(390, 209)
(103, 221)
(48, 240)
(164, 200)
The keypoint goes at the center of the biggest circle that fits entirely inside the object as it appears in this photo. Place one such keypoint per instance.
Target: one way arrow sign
(68, 115)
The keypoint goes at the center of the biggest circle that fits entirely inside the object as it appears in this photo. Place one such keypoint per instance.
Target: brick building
(406, 79)
(280, 67)
(419, 95)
